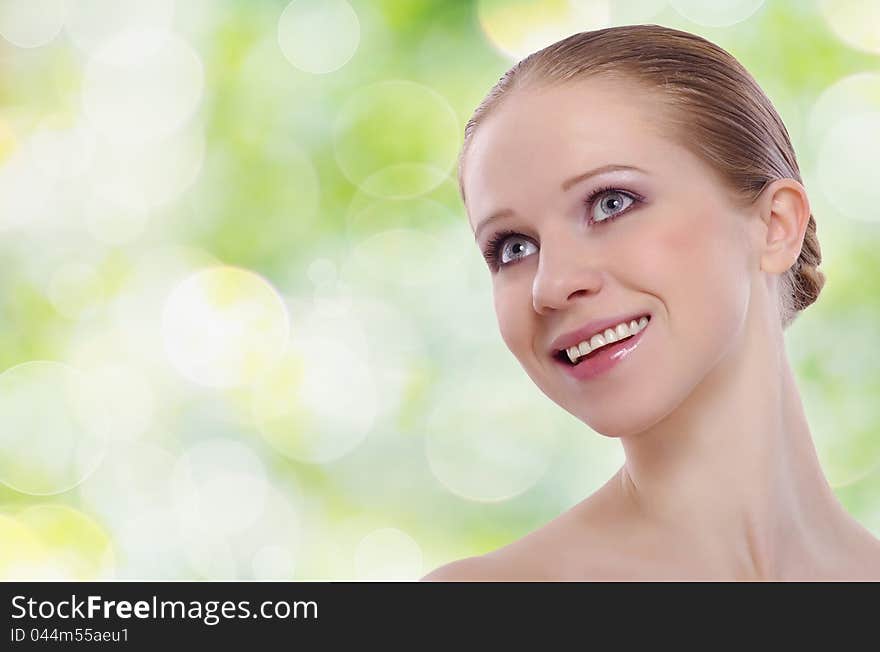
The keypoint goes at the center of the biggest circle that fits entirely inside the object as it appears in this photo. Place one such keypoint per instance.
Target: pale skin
(721, 479)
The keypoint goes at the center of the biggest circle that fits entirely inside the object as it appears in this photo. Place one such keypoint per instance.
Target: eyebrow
(507, 212)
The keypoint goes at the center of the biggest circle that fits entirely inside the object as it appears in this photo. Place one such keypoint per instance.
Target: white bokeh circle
(718, 13)
(845, 166)
(388, 554)
(422, 144)
(141, 86)
(93, 23)
(112, 217)
(135, 478)
(151, 546)
(46, 446)
(488, 438)
(117, 401)
(395, 349)
(32, 23)
(140, 178)
(224, 326)
(849, 96)
(26, 191)
(75, 546)
(519, 28)
(63, 152)
(22, 553)
(636, 11)
(76, 290)
(318, 36)
(844, 127)
(854, 22)
(320, 401)
(220, 488)
(135, 313)
(273, 562)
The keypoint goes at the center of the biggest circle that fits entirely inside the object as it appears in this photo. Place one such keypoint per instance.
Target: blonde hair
(707, 102)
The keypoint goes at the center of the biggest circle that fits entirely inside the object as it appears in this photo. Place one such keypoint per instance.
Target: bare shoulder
(583, 543)
(527, 559)
(867, 568)
(482, 568)
(536, 557)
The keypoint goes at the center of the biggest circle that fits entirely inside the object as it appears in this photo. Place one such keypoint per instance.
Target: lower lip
(605, 360)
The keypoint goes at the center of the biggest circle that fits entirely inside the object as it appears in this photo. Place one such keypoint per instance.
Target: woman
(640, 208)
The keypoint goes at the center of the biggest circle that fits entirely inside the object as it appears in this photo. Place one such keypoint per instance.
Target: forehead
(538, 137)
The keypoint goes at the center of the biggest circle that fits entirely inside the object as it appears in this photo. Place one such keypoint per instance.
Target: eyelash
(493, 247)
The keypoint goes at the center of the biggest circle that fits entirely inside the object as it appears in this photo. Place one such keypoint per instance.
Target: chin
(615, 420)
(613, 426)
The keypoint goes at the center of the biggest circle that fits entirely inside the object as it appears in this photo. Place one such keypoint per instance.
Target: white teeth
(609, 336)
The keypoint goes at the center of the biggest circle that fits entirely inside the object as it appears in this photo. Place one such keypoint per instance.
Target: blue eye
(496, 247)
(495, 251)
(612, 193)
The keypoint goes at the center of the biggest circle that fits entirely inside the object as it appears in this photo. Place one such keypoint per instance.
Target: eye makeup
(494, 249)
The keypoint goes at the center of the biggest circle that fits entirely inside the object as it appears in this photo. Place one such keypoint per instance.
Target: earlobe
(786, 213)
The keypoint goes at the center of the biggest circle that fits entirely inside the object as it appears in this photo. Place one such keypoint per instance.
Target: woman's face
(678, 252)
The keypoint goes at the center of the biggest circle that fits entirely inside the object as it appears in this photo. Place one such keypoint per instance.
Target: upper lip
(589, 329)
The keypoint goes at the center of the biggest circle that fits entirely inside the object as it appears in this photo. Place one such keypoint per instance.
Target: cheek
(512, 312)
(699, 268)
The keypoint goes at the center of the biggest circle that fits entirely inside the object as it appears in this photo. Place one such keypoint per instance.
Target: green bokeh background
(419, 439)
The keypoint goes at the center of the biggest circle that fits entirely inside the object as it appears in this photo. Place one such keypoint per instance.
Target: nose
(564, 274)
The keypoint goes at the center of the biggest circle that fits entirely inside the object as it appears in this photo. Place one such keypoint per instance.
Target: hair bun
(806, 279)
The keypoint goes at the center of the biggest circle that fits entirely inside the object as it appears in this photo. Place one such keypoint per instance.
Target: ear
(785, 212)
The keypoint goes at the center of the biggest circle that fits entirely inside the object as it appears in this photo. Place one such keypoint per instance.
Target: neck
(732, 474)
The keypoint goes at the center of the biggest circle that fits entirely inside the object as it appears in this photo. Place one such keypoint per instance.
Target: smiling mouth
(562, 355)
